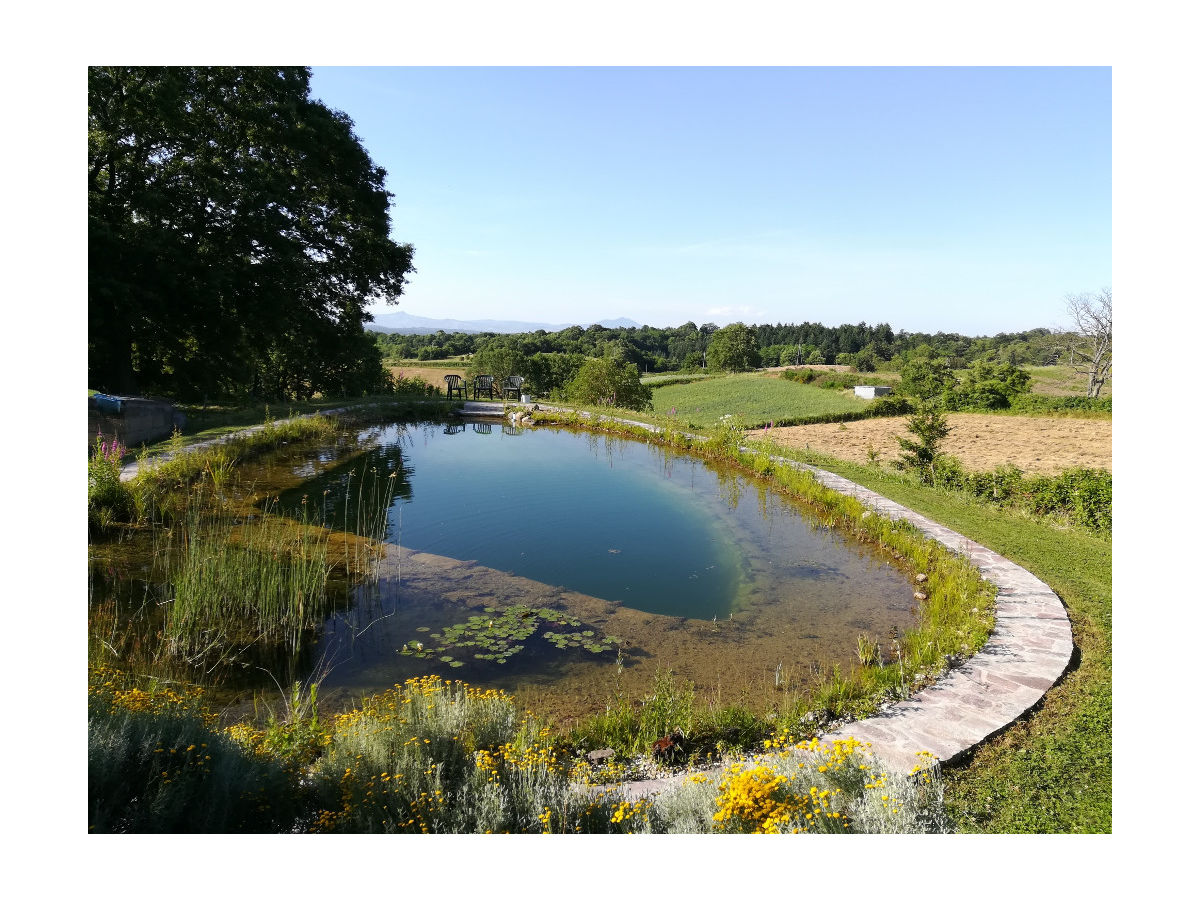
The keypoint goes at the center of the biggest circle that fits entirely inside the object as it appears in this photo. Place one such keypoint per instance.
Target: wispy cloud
(730, 313)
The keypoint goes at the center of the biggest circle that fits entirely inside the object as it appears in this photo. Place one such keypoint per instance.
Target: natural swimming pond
(567, 567)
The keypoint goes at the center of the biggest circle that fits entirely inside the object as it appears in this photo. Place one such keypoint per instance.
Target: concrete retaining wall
(139, 421)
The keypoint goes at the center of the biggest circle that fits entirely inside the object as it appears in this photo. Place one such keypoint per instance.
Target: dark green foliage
(733, 349)
(237, 230)
(550, 373)
(865, 360)
(891, 405)
(804, 376)
(497, 360)
(926, 379)
(1040, 403)
(682, 347)
(988, 386)
(605, 382)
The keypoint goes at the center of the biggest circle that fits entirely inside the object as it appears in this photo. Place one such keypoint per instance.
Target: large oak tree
(237, 230)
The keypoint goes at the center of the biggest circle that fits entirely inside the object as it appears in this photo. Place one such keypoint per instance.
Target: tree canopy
(733, 348)
(609, 382)
(237, 230)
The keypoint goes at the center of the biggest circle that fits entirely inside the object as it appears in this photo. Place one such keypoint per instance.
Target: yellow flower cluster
(631, 812)
(122, 692)
(753, 799)
(761, 801)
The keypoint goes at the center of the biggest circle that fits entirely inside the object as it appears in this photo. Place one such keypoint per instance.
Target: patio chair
(455, 385)
(485, 384)
(512, 385)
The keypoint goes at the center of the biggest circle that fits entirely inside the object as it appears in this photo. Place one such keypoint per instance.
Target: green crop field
(754, 399)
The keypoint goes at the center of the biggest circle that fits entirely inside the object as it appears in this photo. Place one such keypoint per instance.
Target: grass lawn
(756, 399)
(1051, 771)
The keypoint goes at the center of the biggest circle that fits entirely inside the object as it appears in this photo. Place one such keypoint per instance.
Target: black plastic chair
(485, 384)
(512, 385)
(455, 385)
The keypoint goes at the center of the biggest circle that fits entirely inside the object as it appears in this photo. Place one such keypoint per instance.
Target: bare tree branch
(1089, 345)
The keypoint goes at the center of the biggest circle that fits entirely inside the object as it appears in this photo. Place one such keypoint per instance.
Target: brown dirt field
(429, 374)
(1041, 445)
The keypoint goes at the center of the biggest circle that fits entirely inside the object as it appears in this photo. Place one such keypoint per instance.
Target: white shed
(871, 391)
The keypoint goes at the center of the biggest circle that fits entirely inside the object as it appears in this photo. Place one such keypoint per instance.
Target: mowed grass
(1062, 381)
(753, 399)
(1051, 772)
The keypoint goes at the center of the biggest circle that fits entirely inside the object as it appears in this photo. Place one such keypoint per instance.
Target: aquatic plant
(498, 637)
(232, 585)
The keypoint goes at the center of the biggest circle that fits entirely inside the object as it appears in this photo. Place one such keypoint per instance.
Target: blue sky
(969, 200)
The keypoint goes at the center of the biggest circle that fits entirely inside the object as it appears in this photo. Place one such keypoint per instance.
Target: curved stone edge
(1029, 649)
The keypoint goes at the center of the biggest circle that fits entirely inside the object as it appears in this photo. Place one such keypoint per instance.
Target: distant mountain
(404, 323)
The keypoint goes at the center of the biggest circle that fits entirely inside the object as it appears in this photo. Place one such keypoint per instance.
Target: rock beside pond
(919, 595)
(921, 576)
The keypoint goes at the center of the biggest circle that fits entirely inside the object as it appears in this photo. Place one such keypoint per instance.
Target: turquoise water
(605, 518)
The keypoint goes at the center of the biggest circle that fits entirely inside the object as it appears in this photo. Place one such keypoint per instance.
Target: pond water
(683, 565)
(567, 568)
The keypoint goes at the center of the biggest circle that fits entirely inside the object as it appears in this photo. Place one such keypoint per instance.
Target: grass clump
(263, 579)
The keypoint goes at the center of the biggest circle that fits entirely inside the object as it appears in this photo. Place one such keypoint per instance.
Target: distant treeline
(684, 347)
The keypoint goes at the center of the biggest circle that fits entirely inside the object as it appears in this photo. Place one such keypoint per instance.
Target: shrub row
(1081, 496)
(1041, 403)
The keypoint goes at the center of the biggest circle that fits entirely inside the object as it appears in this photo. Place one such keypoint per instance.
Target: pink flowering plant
(109, 500)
